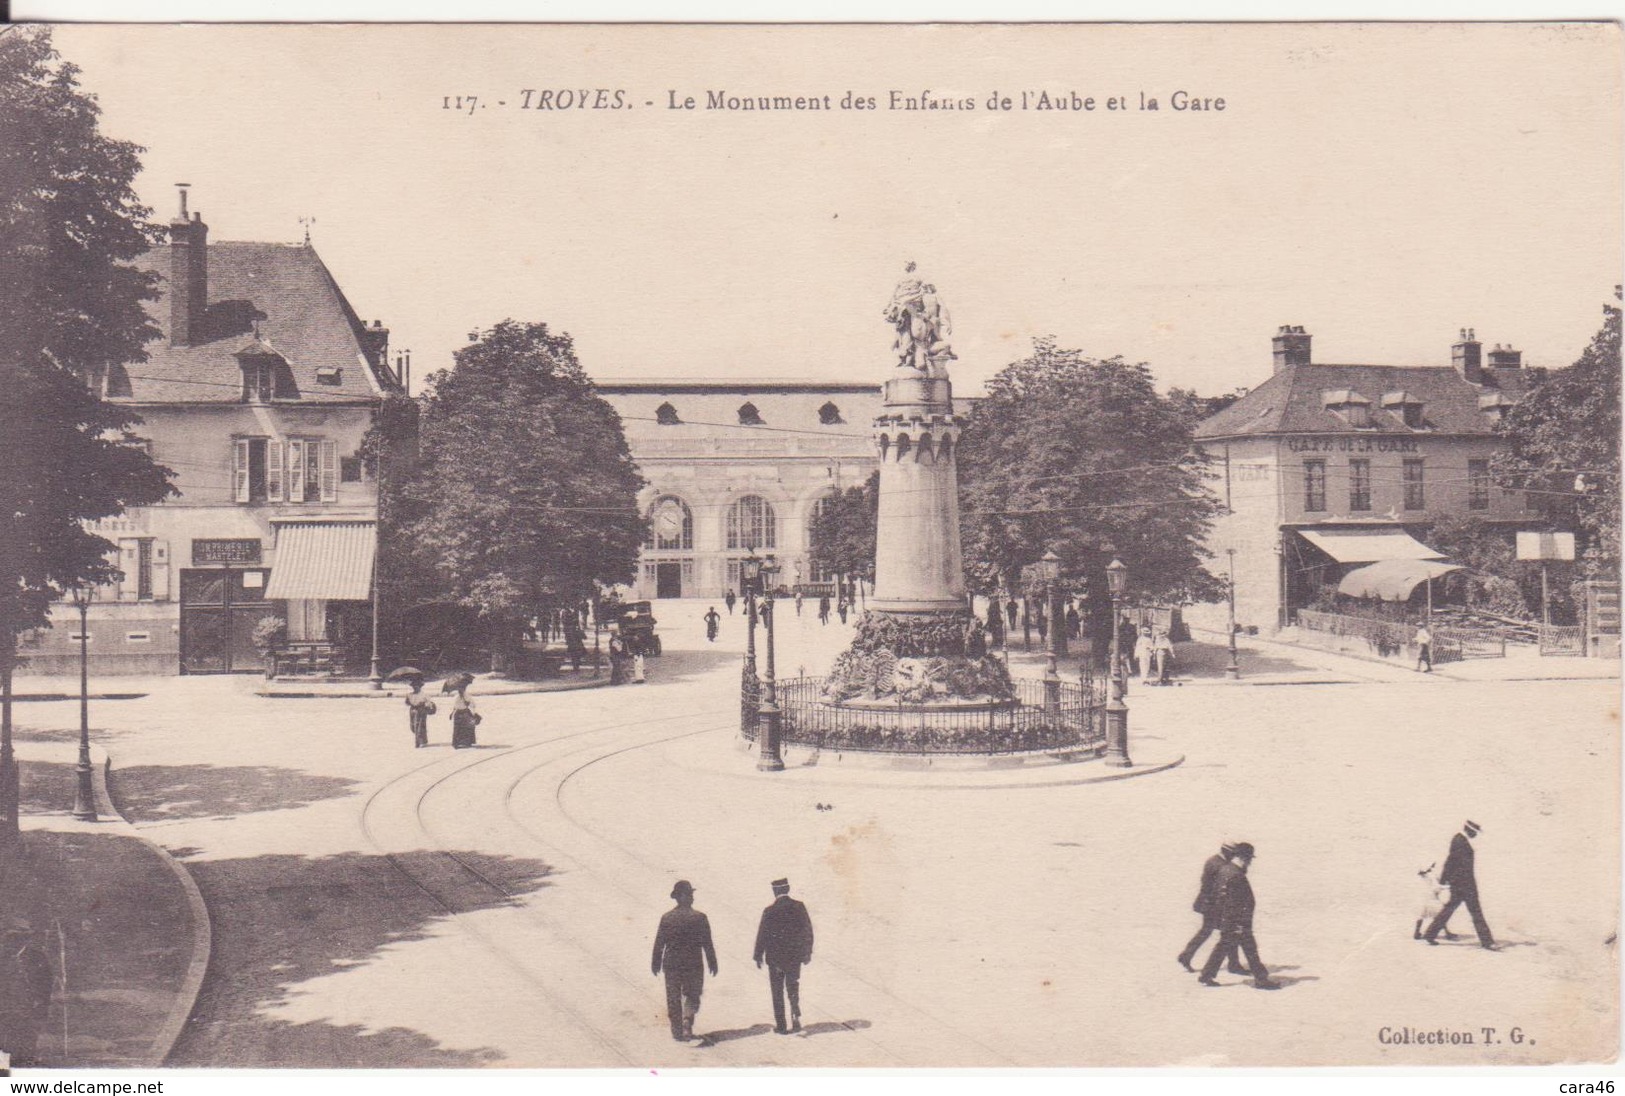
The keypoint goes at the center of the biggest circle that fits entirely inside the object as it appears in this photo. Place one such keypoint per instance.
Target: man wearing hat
(1207, 904)
(683, 938)
(1458, 876)
(785, 939)
(1236, 904)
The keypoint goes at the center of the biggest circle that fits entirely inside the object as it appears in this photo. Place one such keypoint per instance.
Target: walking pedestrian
(683, 950)
(712, 619)
(728, 599)
(1010, 613)
(1207, 904)
(798, 601)
(995, 624)
(419, 708)
(1424, 647)
(1073, 622)
(617, 659)
(823, 608)
(841, 610)
(1163, 648)
(463, 717)
(1145, 651)
(1459, 876)
(784, 938)
(1128, 637)
(1236, 906)
(574, 643)
(1026, 624)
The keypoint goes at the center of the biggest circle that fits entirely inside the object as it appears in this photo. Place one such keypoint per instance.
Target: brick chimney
(1291, 346)
(188, 275)
(1504, 357)
(1467, 356)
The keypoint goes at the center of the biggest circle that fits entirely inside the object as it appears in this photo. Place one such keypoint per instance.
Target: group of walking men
(683, 951)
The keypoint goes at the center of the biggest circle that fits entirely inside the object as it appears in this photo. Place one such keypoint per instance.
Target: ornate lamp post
(1233, 670)
(84, 797)
(1116, 710)
(768, 758)
(750, 570)
(1049, 569)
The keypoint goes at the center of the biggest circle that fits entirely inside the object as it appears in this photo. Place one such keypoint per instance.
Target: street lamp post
(768, 758)
(1116, 710)
(1049, 569)
(750, 569)
(84, 796)
(1234, 669)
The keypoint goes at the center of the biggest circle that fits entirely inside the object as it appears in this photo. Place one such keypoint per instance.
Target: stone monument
(919, 642)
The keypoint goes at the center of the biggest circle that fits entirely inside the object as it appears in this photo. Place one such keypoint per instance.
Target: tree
(525, 494)
(843, 529)
(1081, 456)
(70, 308)
(1562, 438)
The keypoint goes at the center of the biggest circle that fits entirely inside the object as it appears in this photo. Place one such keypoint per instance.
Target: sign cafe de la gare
(1342, 443)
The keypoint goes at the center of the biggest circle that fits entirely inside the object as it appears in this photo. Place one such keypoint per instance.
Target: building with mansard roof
(257, 394)
(1325, 467)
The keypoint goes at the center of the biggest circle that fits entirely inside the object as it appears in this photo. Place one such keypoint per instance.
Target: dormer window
(749, 416)
(666, 415)
(830, 415)
(1495, 405)
(257, 380)
(330, 375)
(1407, 406)
(1349, 405)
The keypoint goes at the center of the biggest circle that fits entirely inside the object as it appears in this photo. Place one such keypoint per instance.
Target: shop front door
(219, 610)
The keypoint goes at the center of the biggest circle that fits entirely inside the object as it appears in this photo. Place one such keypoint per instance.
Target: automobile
(637, 623)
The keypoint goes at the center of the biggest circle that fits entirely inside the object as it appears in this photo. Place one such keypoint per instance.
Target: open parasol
(405, 673)
(460, 680)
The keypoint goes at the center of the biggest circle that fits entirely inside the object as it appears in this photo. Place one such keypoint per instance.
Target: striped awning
(324, 559)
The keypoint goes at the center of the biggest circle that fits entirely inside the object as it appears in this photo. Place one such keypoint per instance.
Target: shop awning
(1368, 545)
(324, 559)
(1392, 579)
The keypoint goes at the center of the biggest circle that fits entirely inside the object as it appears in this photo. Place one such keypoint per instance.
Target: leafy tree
(1494, 579)
(1082, 456)
(1563, 437)
(843, 529)
(525, 494)
(70, 307)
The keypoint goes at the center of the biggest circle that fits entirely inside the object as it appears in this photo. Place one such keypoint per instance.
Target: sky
(1381, 185)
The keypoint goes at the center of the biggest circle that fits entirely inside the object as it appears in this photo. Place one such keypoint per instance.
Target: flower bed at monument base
(1073, 722)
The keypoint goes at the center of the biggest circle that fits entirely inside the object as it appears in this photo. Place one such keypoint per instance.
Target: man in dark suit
(785, 939)
(1207, 904)
(1458, 876)
(1236, 904)
(683, 939)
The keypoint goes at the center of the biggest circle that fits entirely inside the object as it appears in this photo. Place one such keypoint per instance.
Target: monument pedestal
(918, 566)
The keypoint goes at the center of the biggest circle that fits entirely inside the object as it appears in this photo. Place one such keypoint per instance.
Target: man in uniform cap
(683, 939)
(1458, 875)
(1207, 904)
(1236, 904)
(785, 939)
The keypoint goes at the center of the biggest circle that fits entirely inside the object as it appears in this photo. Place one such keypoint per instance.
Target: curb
(202, 937)
(1014, 785)
(385, 694)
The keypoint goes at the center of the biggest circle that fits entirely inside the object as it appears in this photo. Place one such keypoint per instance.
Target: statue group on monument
(922, 326)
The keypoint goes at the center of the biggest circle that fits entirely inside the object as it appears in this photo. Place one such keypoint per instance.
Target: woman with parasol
(463, 716)
(418, 705)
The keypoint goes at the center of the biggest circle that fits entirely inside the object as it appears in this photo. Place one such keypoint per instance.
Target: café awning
(1368, 545)
(324, 559)
(1392, 579)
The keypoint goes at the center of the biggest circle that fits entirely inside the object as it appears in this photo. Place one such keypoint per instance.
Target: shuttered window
(239, 471)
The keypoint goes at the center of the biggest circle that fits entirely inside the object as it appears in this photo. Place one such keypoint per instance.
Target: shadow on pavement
(47, 786)
(825, 1027)
(714, 1037)
(1198, 659)
(680, 665)
(150, 793)
(282, 920)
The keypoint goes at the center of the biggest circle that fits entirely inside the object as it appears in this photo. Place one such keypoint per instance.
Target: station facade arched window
(751, 523)
(671, 525)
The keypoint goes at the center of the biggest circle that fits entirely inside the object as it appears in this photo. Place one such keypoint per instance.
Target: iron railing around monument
(1075, 722)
